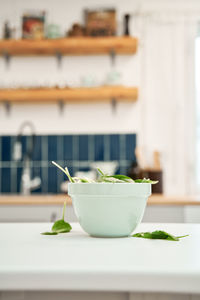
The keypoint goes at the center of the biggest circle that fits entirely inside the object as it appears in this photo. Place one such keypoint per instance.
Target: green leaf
(115, 178)
(61, 226)
(158, 234)
(162, 235)
(145, 235)
(84, 180)
(120, 177)
(145, 181)
(49, 233)
(103, 177)
(108, 179)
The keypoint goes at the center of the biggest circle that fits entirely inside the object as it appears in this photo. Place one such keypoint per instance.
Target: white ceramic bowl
(109, 209)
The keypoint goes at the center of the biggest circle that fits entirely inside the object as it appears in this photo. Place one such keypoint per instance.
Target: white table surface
(76, 261)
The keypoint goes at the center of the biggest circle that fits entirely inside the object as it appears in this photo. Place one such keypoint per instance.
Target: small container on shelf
(7, 31)
(33, 25)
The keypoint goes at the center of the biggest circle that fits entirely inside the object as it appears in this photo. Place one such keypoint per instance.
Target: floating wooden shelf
(104, 93)
(155, 199)
(69, 46)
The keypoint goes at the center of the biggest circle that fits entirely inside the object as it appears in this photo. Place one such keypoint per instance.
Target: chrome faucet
(27, 184)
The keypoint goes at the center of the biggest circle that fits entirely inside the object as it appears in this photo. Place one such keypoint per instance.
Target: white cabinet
(35, 213)
(50, 213)
(164, 214)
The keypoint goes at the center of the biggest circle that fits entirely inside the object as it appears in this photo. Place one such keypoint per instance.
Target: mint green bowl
(109, 209)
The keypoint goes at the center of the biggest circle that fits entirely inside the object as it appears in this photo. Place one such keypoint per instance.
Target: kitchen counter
(77, 262)
(156, 199)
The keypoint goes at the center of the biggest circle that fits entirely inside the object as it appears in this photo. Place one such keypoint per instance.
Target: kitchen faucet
(27, 184)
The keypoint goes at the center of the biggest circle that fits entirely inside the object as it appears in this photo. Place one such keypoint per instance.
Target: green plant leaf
(109, 179)
(121, 177)
(114, 178)
(84, 180)
(103, 177)
(61, 226)
(158, 235)
(49, 233)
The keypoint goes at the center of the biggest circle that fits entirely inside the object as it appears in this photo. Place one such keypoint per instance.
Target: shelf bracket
(59, 59)
(7, 57)
(7, 106)
(113, 57)
(61, 106)
(114, 105)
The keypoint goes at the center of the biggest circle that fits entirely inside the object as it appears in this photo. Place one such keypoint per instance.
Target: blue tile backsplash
(74, 151)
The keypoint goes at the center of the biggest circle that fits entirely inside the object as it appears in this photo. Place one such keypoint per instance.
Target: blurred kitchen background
(114, 84)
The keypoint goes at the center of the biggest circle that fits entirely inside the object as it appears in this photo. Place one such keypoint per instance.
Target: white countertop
(75, 261)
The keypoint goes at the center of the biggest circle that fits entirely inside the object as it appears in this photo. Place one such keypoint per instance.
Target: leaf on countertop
(61, 226)
(49, 233)
(158, 235)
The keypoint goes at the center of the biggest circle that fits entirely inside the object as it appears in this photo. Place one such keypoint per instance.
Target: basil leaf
(158, 235)
(49, 233)
(61, 226)
(110, 179)
(146, 235)
(121, 177)
(115, 179)
(103, 177)
(162, 235)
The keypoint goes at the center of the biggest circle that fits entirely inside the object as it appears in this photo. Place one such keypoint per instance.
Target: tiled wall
(74, 151)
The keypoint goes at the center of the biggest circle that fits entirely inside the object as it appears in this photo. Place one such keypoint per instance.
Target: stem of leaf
(64, 208)
(68, 175)
(57, 165)
(99, 170)
(179, 237)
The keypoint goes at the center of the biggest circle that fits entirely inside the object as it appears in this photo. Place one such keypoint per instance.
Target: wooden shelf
(70, 46)
(104, 93)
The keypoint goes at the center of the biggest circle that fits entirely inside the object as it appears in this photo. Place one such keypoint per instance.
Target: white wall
(97, 117)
